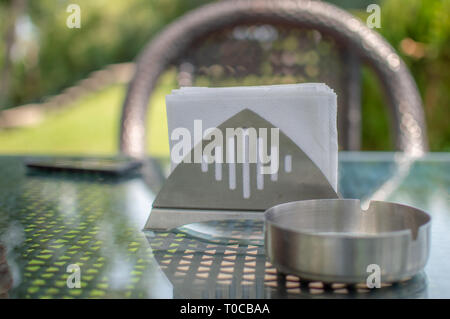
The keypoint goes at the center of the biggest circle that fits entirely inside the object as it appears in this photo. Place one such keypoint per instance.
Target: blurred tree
(48, 56)
(16, 9)
(420, 31)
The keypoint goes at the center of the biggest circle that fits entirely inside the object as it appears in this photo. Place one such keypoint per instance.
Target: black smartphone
(112, 166)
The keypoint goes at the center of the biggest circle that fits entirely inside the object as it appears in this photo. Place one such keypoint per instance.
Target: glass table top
(50, 220)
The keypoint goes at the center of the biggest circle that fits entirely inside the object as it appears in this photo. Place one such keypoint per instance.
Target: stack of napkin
(306, 113)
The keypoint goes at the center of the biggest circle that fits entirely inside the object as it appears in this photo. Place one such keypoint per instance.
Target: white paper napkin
(304, 112)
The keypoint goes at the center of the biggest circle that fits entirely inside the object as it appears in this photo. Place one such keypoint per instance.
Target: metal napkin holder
(191, 194)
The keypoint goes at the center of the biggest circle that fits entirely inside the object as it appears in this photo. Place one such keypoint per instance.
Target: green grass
(89, 126)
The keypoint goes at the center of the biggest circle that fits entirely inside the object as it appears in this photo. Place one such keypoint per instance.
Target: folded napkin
(306, 113)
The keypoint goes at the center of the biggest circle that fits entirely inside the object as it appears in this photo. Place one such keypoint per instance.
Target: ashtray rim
(273, 212)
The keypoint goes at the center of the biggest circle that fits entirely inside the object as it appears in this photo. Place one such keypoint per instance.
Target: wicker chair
(277, 41)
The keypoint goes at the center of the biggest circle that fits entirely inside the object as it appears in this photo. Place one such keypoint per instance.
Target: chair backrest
(263, 41)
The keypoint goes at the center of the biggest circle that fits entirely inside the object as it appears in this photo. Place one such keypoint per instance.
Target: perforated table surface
(51, 220)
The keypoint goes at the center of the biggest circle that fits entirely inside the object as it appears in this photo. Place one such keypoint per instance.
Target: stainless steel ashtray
(334, 240)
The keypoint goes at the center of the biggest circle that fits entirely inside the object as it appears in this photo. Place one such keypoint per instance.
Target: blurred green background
(40, 57)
